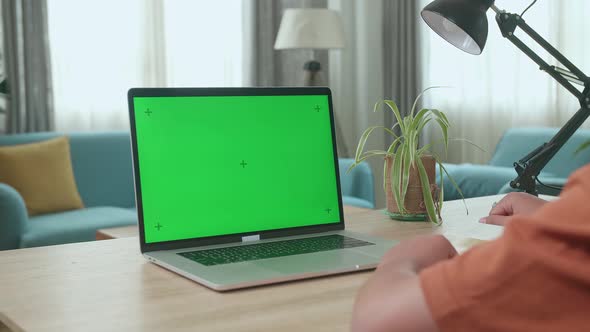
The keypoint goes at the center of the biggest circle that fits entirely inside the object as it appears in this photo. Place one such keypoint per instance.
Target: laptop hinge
(251, 238)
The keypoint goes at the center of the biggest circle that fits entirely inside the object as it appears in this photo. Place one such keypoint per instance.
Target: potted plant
(409, 170)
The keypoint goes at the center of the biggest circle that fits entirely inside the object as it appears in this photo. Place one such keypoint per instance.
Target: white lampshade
(310, 28)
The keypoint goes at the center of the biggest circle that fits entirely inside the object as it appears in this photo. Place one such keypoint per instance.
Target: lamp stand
(4, 86)
(312, 74)
(529, 167)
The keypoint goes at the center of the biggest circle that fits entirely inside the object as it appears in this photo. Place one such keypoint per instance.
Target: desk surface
(108, 285)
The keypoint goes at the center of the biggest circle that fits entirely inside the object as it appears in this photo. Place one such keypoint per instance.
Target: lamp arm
(508, 23)
(529, 167)
(549, 48)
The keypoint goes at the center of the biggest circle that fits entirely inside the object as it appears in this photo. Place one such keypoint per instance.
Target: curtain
(264, 66)
(356, 77)
(28, 69)
(94, 63)
(502, 87)
(154, 46)
(380, 60)
(143, 43)
(401, 73)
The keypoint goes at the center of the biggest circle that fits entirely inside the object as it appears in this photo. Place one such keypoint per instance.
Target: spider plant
(407, 154)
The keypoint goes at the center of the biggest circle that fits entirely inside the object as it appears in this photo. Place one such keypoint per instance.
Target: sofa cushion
(476, 180)
(103, 168)
(75, 226)
(516, 143)
(42, 174)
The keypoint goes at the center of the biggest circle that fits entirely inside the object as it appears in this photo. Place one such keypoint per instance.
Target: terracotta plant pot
(414, 200)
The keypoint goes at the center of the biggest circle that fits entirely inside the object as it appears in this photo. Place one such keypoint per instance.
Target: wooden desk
(129, 231)
(108, 285)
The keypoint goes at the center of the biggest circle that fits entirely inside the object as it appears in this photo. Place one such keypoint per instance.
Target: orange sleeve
(535, 277)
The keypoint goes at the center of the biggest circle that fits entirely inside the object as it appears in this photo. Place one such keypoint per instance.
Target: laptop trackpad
(316, 262)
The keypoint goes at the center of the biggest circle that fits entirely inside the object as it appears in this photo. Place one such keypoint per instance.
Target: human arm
(515, 203)
(392, 299)
(501, 285)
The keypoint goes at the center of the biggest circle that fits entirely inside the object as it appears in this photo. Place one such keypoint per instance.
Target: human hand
(421, 252)
(516, 203)
(392, 299)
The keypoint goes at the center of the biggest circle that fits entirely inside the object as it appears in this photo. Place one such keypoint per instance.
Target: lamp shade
(462, 23)
(310, 28)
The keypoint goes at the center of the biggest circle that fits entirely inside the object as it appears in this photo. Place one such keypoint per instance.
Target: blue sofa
(103, 170)
(494, 178)
(357, 186)
(104, 176)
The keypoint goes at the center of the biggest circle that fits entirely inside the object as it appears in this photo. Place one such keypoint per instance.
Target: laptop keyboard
(257, 251)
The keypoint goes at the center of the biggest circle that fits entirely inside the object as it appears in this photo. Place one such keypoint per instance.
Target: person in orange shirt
(535, 277)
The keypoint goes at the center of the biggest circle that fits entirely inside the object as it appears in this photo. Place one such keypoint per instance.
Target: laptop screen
(220, 165)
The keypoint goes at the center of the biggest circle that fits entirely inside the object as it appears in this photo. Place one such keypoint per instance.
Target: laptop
(239, 187)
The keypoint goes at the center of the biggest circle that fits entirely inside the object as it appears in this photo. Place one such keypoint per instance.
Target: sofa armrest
(358, 183)
(13, 217)
(550, 181)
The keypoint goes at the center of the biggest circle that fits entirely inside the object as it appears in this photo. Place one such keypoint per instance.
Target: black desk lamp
(463, 23)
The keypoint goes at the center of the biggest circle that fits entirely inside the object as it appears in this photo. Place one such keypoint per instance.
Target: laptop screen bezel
(228, 238)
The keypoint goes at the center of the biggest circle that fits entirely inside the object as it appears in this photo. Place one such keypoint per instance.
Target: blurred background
(68, 64)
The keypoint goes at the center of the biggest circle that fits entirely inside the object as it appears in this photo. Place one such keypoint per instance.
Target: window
(502, 87)
(101, 49)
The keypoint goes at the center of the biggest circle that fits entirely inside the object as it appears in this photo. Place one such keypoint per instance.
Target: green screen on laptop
(220, 165)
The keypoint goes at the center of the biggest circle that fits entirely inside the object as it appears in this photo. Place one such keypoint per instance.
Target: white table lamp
(310, 28)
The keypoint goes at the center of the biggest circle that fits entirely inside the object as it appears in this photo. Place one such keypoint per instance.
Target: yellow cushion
(42, 174)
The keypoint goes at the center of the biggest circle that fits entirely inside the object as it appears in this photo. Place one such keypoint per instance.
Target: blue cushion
(475, 180)
(103, 168)
(75, 226)
(518, 142)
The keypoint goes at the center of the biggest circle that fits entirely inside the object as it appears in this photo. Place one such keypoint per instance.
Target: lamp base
(4, 86)
(312, 74)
